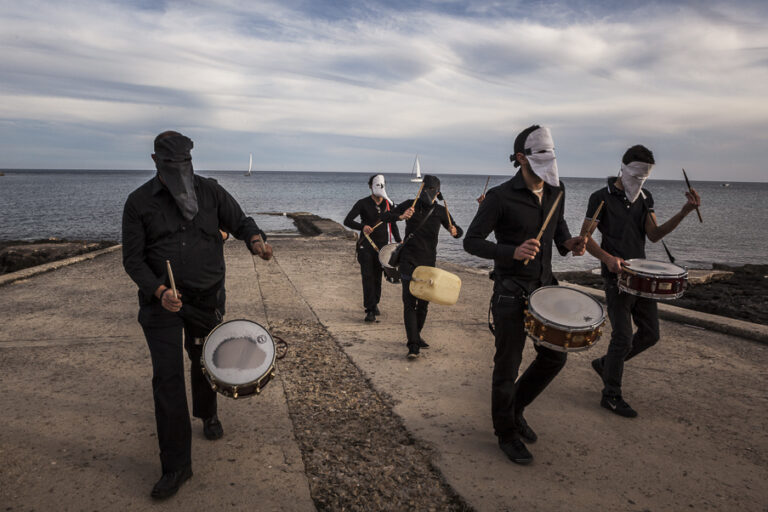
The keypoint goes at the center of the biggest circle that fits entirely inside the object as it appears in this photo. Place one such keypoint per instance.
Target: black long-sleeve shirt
(515, 215)
(421, 249)
(371, 214)
(155, 231)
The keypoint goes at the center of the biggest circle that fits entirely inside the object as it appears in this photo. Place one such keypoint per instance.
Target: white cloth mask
(632, 176)
(378, 187)
(540, 152)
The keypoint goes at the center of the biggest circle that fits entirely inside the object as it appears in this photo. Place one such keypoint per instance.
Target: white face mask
(378, 187)
(632, 176)
(540, 152)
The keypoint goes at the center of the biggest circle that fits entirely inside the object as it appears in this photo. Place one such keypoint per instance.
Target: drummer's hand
(169, 302)
(367, 230)
(615, 263)
(454, 231)
(481, 199)
(407, 214)
(577, 245)
(264, 252)
(527, 250)
(694, 201)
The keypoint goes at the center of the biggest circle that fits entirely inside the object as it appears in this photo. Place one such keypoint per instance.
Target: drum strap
(491, 327)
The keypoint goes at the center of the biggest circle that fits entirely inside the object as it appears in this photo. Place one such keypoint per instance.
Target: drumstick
(413, 205)
(691, 191)
(625, 267)
(371, 241)
(546, 221)
(170, 276)
(486, 185)
(377, 225)
(448, 213)
(593, 221)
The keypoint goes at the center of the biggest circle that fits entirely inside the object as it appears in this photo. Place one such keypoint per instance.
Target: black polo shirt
(621, 223)
(515, 215)
(370, 214)
(155, 231)
(421, 248)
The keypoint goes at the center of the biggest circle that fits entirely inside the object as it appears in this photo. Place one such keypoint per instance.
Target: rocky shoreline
(20, 254)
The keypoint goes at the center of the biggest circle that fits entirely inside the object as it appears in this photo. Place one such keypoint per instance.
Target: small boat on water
(250, 165)
(416, 171)
(725, 184)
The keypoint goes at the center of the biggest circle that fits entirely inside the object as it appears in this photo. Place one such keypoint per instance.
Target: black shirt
(621, 223)
(370, 214)
(421, 248)
(514, 215)
(154, 231)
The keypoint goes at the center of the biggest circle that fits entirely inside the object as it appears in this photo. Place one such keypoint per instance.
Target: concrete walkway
(700, 441)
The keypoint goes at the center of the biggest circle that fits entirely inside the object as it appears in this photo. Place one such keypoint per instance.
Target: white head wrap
(632, 176)
(540, 151)
(378, 187)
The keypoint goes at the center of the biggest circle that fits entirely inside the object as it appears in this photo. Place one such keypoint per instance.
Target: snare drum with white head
(238, 358)
(385, 253)
(563, 319)
(653, 279)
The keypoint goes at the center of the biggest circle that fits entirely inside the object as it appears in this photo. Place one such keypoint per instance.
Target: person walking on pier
(175, 217)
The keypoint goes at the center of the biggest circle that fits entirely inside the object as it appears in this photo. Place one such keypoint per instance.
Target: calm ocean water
(88, 205)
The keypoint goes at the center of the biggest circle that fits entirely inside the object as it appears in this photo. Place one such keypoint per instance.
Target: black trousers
(623, 308)
(370, 270)
(510, 395)
(414, 309)
(163, 331)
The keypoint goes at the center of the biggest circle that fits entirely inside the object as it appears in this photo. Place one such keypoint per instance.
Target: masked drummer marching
(423, 217)
(515, 212)
(374, 234)
(175, 217)
(625, 220)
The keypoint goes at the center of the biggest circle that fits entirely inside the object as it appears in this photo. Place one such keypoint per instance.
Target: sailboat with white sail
(416, 171)
(250, 165)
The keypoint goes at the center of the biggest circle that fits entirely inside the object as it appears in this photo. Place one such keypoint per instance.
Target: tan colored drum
(563, 319)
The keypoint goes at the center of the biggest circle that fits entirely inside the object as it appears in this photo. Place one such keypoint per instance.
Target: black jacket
(371, 214)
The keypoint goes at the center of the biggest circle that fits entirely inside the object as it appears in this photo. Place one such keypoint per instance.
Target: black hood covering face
(174, 166)
(430, 191)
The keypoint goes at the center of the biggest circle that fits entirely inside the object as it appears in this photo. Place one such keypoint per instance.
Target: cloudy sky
(365, 85)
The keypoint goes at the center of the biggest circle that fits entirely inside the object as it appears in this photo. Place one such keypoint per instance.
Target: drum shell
(659, 286)
(385, 253)
(559, 337)
(435, 285)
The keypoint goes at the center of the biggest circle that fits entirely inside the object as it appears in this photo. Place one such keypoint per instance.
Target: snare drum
(238, 358)
(391, 273)
(563, 319)
(653, 279)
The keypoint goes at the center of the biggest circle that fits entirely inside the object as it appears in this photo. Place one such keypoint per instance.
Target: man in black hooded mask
(175, 217)
(423, 220)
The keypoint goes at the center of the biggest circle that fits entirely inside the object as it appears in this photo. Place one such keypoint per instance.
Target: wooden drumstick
(413, 205)
(546, 221)
(691, 191)
(485, 188)
(593, 221)
(377, 225)
(370, 240)
(170, 277)
(450, 224)
(625, 267)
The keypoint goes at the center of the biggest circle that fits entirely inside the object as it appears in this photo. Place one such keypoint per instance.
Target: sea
(88, 204)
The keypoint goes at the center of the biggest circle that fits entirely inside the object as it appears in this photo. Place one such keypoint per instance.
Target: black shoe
(370, 316)
(212, 428)
(413, 351)
(376, 311)
(597, 365)
(525, 431)
(169, 483)
(516, 451)
(617, 405)
(423, 344)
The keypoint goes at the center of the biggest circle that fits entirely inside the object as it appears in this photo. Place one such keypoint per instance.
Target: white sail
(250, 164)
(416, 171)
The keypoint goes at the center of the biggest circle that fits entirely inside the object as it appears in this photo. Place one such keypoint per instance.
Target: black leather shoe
(617, 405)
(516, 451)
(423, 344)
(526, 432)
(169, 483)
(376, 311)
(370, 316)
(212, 428)
(597, 365)
(413, 351)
